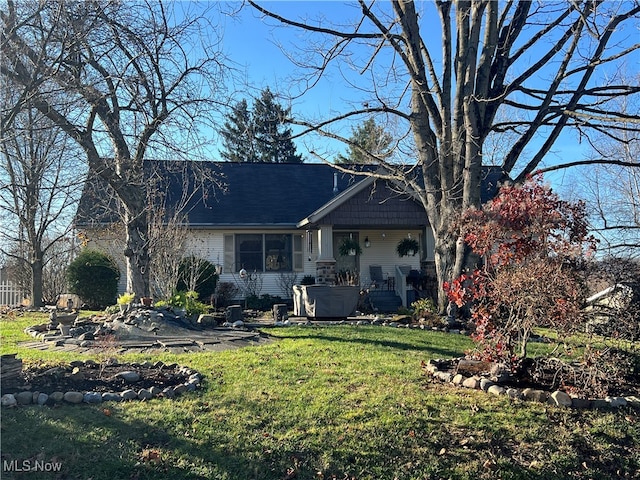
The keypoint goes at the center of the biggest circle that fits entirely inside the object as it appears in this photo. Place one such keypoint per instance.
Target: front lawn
(318, 403)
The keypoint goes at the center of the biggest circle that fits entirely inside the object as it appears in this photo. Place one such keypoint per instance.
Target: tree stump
(280, 312)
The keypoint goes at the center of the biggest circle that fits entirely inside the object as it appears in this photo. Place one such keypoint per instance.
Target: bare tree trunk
(36, 280)
(137, 254)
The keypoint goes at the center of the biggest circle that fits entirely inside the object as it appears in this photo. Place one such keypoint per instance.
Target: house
(283, 222)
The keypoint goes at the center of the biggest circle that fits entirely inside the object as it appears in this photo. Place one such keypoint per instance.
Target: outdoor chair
(377, 279)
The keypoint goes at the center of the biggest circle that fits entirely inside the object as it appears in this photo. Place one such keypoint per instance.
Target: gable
(375, 205)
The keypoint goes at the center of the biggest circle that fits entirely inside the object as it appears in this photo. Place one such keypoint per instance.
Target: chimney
(335, 183)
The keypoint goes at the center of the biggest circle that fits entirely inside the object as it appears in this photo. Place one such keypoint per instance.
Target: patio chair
(377, 279)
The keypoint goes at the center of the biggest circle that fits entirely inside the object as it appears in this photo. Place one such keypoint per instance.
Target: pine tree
(238, 138)
(273, 136)
(260, 135)
(370, 137)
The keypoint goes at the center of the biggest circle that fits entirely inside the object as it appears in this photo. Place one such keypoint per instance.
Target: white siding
(209, 244)
(383, 252)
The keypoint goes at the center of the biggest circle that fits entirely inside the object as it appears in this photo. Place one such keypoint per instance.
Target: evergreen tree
(238, 136)
(273, 137)
(369, 137)
(261, 135)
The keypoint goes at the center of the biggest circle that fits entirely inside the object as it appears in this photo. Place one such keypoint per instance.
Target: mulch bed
(93, 377)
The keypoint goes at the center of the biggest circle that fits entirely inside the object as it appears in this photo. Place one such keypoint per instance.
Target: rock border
(492, 385)
(71, 397)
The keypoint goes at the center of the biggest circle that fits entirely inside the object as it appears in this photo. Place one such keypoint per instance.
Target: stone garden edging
(492, 386)
(28, 397)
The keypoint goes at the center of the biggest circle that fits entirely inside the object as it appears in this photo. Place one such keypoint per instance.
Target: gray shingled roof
(256, 194)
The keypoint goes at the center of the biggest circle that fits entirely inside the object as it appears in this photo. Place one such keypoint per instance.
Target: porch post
(326, 263)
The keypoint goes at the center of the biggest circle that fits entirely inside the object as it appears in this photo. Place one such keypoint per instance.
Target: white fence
(10, 293)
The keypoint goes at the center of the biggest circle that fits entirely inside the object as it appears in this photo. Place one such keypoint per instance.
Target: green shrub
(188, 301)
(93, 276)
(199, 275)
(308, 280)
(264, 302)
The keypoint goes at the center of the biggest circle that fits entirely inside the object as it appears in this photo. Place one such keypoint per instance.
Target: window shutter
(298, 254)
(228, 254)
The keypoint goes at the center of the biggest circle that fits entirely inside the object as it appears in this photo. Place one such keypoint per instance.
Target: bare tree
(40, 182)
(545, 61)
(610, 184)
(122, 79)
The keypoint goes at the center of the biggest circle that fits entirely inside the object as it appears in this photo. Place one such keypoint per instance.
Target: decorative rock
(24, 398)
(158, 364)
(145, 394)
(76, 374)
(129, 376)
(473, 382)
(535, 395)
(111, 397)
(237, 324)
(600, 403)
(496, 390)
(194, 377)
(129, 395)
(514, 393)
(485, 383)
(616, 401)
(155, 391)
(633, 401)
(458, 379)
(191, 386)
(8, 400)
(56, 397)
(86, 336)
(73, 397)
(146, 364)
(178, 389)
(578, 402)
(499, 372)
(42, 399)
(560, 399)
(444, 376)
(92, 397)
(168, 392)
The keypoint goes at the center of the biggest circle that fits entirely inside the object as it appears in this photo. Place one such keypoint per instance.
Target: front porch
(392, 281)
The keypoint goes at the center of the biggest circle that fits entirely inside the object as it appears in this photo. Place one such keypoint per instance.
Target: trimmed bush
(93, 276)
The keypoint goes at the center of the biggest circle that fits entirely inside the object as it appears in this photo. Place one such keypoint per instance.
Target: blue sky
(250, 41)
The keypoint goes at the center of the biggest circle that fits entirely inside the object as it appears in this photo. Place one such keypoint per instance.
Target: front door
(345, 263)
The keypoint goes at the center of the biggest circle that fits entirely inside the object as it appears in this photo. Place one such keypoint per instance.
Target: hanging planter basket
(407, 247)
(349, 247)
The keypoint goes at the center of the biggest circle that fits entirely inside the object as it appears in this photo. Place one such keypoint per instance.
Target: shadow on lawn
(436, 351)
(92, 442)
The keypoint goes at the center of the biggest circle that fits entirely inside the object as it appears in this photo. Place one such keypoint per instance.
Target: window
(249, 252)
(263, 252)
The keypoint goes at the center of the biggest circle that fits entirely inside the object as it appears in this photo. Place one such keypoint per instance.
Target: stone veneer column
(325, 264)
(325, 272)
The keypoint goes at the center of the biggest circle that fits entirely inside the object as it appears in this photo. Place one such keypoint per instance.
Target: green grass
(323, 403)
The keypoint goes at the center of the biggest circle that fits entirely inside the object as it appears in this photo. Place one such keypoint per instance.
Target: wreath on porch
(407, 246)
